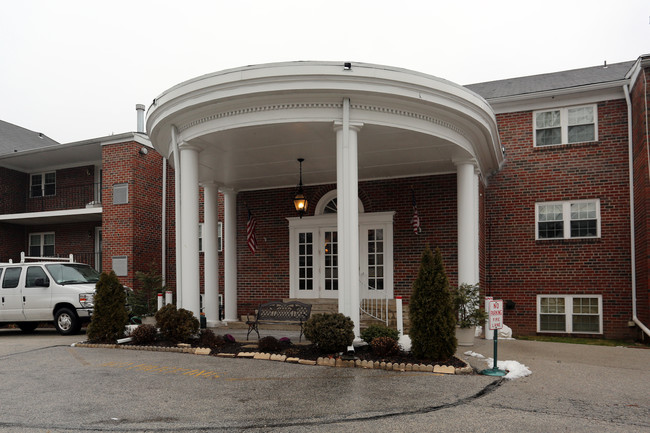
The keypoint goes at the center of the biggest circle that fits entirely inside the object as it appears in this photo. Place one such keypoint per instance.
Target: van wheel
(67, 322)
(27, 326)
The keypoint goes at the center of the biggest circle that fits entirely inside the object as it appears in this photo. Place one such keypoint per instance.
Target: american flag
(415, 221)
(251, 240)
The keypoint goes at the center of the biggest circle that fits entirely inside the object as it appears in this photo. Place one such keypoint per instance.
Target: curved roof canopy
(252, 123)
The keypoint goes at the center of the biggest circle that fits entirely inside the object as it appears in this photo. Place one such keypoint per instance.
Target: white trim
(316, 225)
(326, 198)
(568, 313)
(564, 125)
(42, 237)
(566, 218)
(50, 214)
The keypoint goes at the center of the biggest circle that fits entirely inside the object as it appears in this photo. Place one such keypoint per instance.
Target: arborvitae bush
(144, 334)
(376, 330)
(431, 311)
(109, 317)
(269, 344)
(143, 301)
(330, 332)
(384, 346)
(208, 339)
(176, 325)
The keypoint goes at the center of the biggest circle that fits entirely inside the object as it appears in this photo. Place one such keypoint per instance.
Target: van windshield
(72, 273)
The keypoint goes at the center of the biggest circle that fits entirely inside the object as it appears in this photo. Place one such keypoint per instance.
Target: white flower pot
(465, 336)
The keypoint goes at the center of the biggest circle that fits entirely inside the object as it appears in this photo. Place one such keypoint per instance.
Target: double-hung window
(41, 244)
(42, 184)
(567, 219)
(565, 125)
(219, 237)
(570, 314)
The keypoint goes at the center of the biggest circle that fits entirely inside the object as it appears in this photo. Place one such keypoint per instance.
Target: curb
(321, 361)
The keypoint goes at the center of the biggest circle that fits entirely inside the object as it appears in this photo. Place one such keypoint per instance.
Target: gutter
(635, 318)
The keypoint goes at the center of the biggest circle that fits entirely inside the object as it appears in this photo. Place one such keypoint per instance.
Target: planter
(465, 336)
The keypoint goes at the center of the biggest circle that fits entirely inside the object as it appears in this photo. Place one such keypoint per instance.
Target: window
(43, 184)
(565, 125)
(570, 313)
(376, 259)
(12, 277)
(41, 244)
(568, 219)
(305, 261)
(121, 193)
(219, 237)
(36, 277)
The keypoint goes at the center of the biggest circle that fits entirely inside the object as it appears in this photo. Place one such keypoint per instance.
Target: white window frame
(568, 313)
(42, 244)
(219, 237)
(316, 225)
(566, 219)
(31, 184)
(564, 125)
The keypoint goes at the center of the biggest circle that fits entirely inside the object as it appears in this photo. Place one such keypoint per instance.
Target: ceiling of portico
(265, 156)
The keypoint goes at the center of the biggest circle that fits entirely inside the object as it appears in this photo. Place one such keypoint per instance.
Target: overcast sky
(74, 70)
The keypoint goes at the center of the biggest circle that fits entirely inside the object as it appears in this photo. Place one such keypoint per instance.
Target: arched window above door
(328, 204)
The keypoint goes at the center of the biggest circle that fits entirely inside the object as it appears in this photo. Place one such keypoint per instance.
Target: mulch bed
(310, 352)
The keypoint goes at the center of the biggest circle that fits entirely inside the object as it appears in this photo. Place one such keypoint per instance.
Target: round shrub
(384, 346)
(330, 332)
(269, 344)
(144, 334)
(374, 331)
(176, 325)
(208, 339)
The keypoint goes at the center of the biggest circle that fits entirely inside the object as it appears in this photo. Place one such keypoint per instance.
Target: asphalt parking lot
(57, 387)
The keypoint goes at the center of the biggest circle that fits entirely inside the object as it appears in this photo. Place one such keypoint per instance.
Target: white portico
(244, 129)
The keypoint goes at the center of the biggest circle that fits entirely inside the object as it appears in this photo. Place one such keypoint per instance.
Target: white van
(47, 290)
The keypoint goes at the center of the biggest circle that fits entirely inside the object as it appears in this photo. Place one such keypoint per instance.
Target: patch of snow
(474, 354)
(515, 369)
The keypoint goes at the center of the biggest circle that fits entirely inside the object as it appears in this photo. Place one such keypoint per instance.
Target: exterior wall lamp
(299, 200)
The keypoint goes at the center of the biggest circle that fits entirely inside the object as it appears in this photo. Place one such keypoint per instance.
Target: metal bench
(279, 312)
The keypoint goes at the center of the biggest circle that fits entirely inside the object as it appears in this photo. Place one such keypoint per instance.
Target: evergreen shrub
(269, 344)
(110, 316)
(207, 338)
(144, 334)
(385, 346)
(330, 332)
(378, 330)
(431, 311)
(177, 325)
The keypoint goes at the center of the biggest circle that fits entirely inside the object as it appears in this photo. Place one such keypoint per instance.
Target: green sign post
(495, 314)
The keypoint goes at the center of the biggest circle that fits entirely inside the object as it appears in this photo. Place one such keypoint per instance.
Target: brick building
(523, 184)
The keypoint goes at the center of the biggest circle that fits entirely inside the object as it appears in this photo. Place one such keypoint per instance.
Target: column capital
(469, 161)
(338, 125)
(187, 146)
(227, 190)
(210, 183)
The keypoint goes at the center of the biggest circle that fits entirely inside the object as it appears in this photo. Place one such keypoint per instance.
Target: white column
(347, 188)
(467, 199)
(189, 179)
(210, 253)
(230, 254)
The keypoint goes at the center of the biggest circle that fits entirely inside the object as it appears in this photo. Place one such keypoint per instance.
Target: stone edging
(324, 361)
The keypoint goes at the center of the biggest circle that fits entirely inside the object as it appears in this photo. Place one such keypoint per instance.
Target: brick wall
(640, 120)
(517, 266)
(132, 229)
(264, 276)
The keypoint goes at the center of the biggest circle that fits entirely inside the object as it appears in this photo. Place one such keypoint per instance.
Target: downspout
(163, 261)
(177, 195)
(632, 232)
